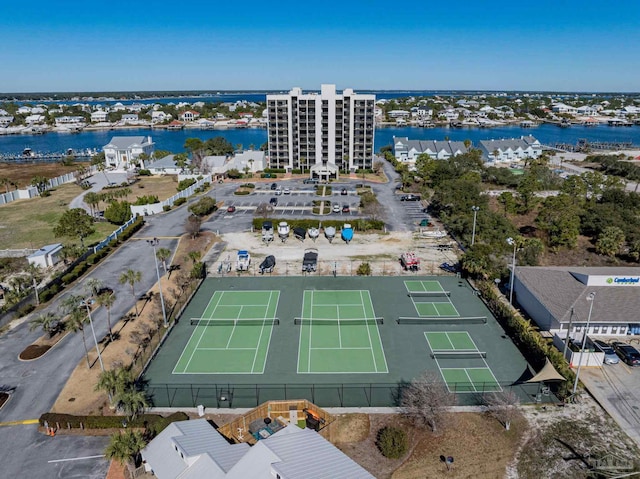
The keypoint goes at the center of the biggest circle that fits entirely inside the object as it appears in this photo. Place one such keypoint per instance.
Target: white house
(129, 118)
(122, 151)
(34, 119)
(398, 114)
(587, 110)
(562, 108)
(99, 116)
(164, 166)
(189, 115)
(254, 160)
(70, 120)
(47, 256)
(159, 116)
(24, 110)
(5, 120)
(195, 450)
(515, 149)
(407, 151)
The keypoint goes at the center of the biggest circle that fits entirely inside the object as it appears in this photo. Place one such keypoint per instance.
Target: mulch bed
(33, 351)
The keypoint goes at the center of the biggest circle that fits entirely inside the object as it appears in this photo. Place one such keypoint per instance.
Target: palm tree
(125, 446)
(132, 402)
(194, 256)
(92, 285)
(107, 300)
(114, 382)
(163, 255)
(49, 322)
(76, 321)
(131, 277)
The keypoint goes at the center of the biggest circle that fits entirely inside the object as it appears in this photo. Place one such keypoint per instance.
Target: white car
(336, 208)
(278, 191)
(287, 191)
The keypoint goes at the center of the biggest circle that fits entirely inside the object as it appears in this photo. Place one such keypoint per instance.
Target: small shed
(47, 256)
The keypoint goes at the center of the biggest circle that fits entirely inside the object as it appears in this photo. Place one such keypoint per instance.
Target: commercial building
(555, 297)
(321, 133)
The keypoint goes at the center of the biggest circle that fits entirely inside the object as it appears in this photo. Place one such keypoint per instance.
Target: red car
(231, 209)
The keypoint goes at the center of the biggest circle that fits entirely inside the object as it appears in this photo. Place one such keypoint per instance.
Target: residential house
(129, 118)
(47, 256)
(562, 108)
(24, 110)
(407, 151)
(164, 166)
(195, 450)
(34, 119)
(69, 120)
(99, 116)
(588, 110)
(189, 115)
(159, 116)
(254, 160)
(122, 151)
(515, 149)
(398, 114)
(5, 120)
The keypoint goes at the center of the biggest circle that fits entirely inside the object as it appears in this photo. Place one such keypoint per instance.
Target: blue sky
(561, 45)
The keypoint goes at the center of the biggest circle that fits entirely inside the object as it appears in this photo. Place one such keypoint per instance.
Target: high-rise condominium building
(322, 134)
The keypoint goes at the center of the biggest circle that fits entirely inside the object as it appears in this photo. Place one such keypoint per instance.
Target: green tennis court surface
(430, 306)
(239, 342)
(461, 364)
(339, 334)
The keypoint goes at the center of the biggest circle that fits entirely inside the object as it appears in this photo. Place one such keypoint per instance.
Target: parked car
(278, 191)
(449, 268)
(345, 209)
(336, 208)
(344, 192)
(627, 353)
(286, 191)
(425, 222)
(610, 356)
(274, 186)
(410, 198)
(231, 209)
(273, 201)
(310, 181)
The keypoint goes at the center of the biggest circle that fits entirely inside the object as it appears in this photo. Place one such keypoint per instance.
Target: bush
(144, 173)
(268, 175)
(241, 192)
(392, 442)
(247, 185)
(364, 270)
(118, 212)
(153, 422)
(146, 200)
(186, 183)
(166, 208)
(179, 201)
(203, 206)
(26, 309)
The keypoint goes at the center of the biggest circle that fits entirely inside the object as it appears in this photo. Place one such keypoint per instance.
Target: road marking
(76, 458)
(17, 423)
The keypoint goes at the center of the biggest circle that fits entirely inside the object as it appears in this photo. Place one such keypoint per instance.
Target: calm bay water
(174, 140)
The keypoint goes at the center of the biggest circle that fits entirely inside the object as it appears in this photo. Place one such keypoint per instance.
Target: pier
(29, 156)
(583, 145)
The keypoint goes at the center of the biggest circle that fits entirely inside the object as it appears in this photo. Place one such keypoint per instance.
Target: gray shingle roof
(124, 142)
(561, 288)
(164, 162)
(421, 146)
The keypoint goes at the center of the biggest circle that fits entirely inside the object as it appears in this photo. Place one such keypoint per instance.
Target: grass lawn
(23, 173)
(29, 223)
(161, 186)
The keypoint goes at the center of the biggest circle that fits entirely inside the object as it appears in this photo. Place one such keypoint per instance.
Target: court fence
(226, 267)
(324, 395)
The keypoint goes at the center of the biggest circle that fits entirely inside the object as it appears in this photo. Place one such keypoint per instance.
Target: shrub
(206, 185)
(241, 192)
(364, 270)
(186, 183)
(392, 442)
(166, 208)
(203, 206)
(179, 201)
(118, 212)
(144, 173)
(247, 185)
(26, 309)
(154, 422)
(146, 200)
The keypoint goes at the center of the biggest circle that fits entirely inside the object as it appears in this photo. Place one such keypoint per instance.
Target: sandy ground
(381, 251)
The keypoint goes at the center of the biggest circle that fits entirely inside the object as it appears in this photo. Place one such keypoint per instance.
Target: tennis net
(459, 354)
(235, 322)
(442, 320)
(342, 321)
(429, 294)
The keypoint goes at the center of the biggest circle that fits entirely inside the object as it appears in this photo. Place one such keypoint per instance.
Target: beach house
(122, 152)
(506, 151)
(407, 151)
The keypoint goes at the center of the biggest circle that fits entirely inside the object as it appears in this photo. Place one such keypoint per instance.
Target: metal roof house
(47, 256)
(555, 297)
(195, 450)
(164, 166)
(407, 151)
(515, 149)
(122, 151)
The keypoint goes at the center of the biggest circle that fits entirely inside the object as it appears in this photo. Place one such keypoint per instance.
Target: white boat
(330, 233)
(283, 230)
(243, 261)
(435, 234)
(267, 232)
(313, 233)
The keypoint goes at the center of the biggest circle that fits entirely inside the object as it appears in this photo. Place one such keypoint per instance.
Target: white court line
(275, 311)
(201, 336)
(339, 329)
(340, 348)
(310, 328)
(76, 458)
(227, 349)
(255, 356)
(235, 324)
(373, 356)
(475, 348)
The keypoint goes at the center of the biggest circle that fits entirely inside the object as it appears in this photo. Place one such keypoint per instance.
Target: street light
(153, 243)
(590, 298)
(93, 332)
(512, 242)
(475, 210)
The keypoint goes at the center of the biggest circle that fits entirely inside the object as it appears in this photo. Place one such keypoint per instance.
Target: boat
(283, 230)
(268, 264)
(299, 233)
(330, 233)
(267, 232)
(409, 261)
(435, 234)
(28, 153)
(310, 260)
(243, 260)
(313, 233)
(347, 233)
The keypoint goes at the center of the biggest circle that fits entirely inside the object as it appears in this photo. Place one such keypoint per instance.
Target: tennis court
(430, 298)
(233, 334)
(339, 334)
(449, 349)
